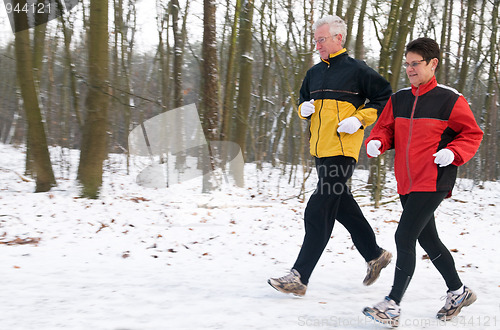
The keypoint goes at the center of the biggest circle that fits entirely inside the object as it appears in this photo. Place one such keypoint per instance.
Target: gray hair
(337, 25)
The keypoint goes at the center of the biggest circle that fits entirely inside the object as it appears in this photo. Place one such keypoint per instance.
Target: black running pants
(332, 200)
(417, 223)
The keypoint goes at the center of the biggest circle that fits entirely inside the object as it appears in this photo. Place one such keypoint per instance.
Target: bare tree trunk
(442, 46)
(53, 125)
(164, 53)
(38, 51)
(261, 114)
(469, 30)
(405, 25)
(178, 54)
(39, 42)
(488, 149)
(330, 8)
(94, 139)
(376, 178)
(449, 24)
(45, 179)
(359, 50)
(388, 37)
(229, 85)
(126, 32)
(460, 43)
(210, 86)
(68, 57)
(245, 78)
(472, 169)
(340, 6)
(378, 165)
(179, 34)
(349, 19)
(117, 102)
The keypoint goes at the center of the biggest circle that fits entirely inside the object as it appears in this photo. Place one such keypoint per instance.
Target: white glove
(349, 125)
(372, 148)
(307, 108)
(444, 157)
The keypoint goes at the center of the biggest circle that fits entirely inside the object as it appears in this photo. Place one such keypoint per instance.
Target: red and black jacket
(418, 122)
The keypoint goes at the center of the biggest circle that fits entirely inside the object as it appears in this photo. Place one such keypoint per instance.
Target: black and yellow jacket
(342, 87)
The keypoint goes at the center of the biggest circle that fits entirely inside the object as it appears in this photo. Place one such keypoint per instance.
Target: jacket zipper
(319, 112)
(409, 140)
(338, 134)
(319, 127)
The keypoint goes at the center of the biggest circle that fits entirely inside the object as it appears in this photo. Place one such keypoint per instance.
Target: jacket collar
(336, 55)
(425, 87)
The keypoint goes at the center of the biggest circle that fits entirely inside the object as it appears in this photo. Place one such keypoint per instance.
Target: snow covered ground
(142, 258)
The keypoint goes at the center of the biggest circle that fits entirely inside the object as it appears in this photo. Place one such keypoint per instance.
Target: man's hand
(444, 157)
(372, 148)
(307, 108)
(349, 125)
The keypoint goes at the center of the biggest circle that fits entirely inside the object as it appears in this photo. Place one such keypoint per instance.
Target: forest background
(86, 79)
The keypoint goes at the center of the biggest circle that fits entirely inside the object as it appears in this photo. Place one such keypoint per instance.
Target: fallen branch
(19, 175)
(22, 241)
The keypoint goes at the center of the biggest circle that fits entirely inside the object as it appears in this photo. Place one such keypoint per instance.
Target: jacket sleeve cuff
(457, 160)
(298, 112)
(367, 116)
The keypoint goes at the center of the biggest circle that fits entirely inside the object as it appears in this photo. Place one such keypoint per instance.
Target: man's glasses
(413, 64)
(322, 40)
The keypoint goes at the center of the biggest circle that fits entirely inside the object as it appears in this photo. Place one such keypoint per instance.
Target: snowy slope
(174, 258)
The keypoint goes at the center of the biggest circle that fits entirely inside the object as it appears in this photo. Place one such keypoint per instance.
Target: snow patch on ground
(142, 258)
